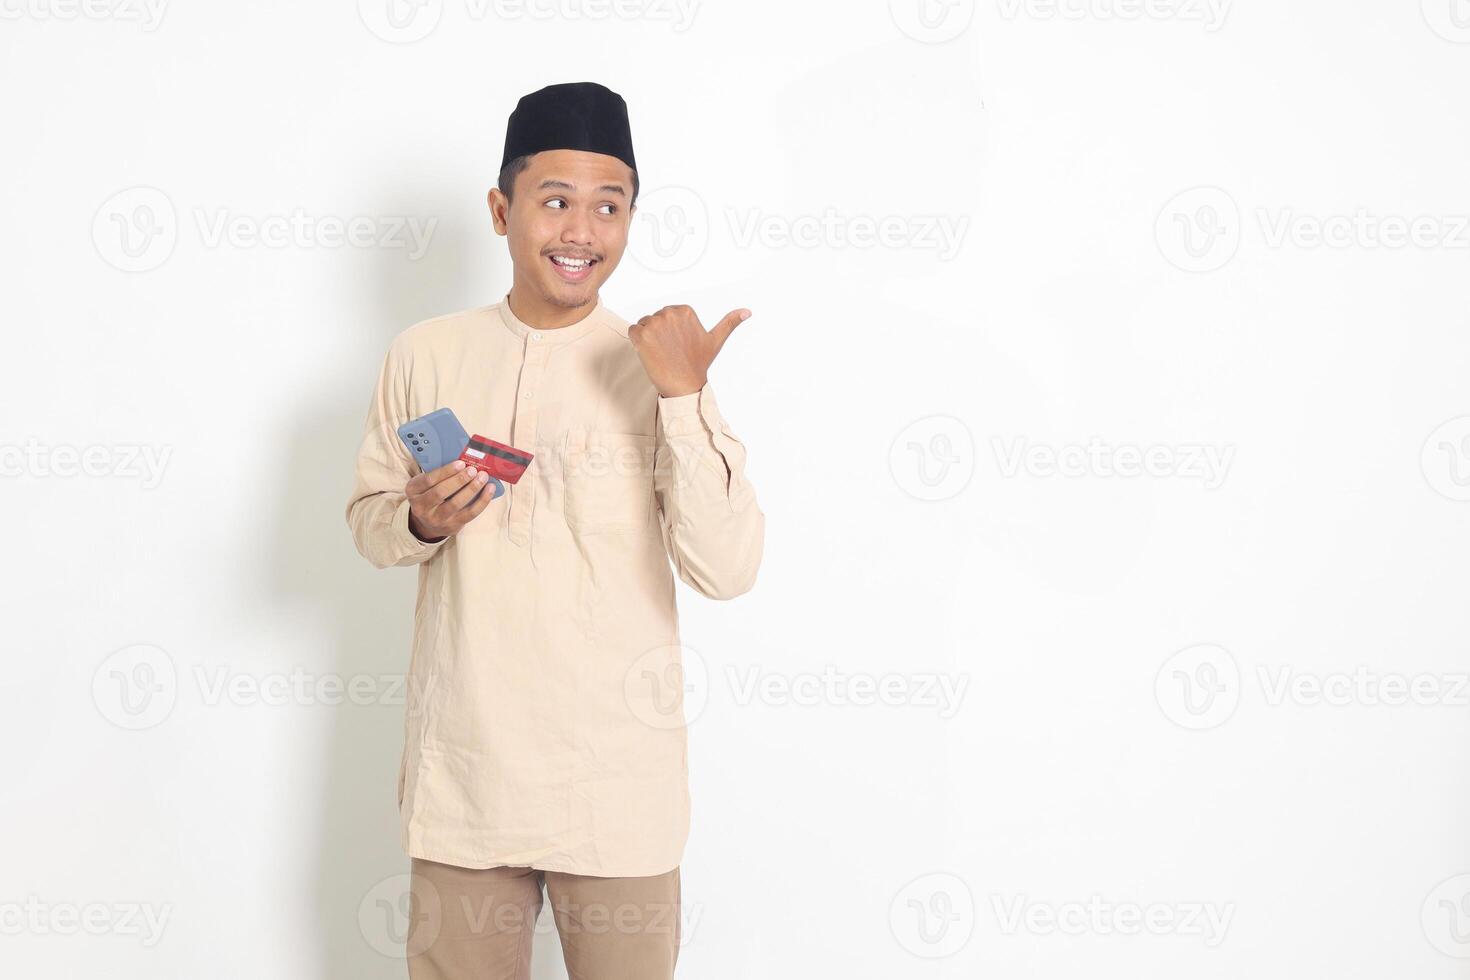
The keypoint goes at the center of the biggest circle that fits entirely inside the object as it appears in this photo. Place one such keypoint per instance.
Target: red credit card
(496, 458)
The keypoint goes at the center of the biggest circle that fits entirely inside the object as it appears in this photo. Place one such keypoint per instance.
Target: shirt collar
(556, 335)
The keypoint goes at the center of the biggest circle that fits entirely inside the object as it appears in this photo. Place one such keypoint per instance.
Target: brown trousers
(470, 922)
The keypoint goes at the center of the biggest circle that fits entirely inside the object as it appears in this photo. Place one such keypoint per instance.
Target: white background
(1213, 716)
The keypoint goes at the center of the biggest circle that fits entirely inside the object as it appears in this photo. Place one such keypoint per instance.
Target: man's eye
(556, 202)
(608, 209)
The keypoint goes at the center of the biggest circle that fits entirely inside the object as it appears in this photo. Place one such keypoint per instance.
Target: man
(544, 738)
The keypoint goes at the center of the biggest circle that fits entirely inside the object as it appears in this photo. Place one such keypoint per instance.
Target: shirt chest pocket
(607, 480)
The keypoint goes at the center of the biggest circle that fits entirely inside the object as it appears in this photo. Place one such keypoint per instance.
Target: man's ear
(499, 207)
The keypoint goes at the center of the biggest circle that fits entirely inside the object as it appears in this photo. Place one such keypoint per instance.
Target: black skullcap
(570, 116)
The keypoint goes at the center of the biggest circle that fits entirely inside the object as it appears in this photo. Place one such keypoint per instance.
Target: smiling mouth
(570, 269)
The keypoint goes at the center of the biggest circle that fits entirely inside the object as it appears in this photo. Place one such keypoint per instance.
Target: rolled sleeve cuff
(409, 547)
(694, 429)
(682, 414)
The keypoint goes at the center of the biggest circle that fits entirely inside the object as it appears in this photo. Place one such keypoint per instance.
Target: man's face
(567, 223)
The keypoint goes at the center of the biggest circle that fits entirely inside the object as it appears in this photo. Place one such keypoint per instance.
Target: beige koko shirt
(545, 722)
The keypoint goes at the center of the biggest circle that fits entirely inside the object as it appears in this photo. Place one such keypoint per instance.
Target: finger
(421, 483)
(461, 497)
(479, 504)
(727, 326)
(636, 330)
(456, 494)
(433, 499)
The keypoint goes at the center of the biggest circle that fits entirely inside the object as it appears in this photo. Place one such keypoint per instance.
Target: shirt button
(535, 336)
(526, 394)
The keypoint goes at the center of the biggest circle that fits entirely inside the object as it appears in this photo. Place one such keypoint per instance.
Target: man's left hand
(677, 351)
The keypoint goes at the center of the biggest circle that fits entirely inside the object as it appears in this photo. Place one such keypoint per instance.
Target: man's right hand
(442, 501)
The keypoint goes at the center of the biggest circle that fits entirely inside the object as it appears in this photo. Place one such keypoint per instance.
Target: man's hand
(442, 501)
(676, 350)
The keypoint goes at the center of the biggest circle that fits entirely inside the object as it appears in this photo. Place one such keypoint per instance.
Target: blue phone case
(435, 439)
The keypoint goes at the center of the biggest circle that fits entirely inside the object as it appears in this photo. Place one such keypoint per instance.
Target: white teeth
(570, 263)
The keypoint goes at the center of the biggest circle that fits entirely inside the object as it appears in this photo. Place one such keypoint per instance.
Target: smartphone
(434, 439)
(438, 438)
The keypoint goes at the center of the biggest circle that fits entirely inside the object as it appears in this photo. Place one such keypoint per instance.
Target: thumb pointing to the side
(727, 326)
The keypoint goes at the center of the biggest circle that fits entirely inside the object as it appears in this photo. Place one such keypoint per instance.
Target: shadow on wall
(360, 900)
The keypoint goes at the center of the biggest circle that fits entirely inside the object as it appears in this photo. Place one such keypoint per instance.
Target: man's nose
(577, 229)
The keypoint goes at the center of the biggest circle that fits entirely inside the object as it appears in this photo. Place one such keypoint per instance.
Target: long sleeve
(377, 511)
(713, 529)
